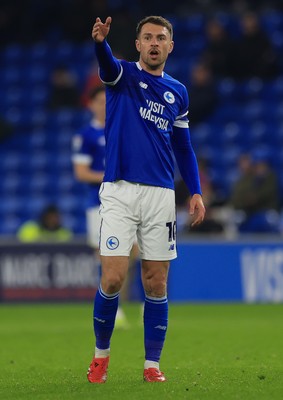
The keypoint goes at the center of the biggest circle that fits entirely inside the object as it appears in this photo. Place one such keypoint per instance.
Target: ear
(138, 47)
(171, 47)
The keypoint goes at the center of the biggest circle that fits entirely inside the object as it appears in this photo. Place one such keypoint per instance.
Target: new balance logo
(163, 328)
(171, 247)
(143, 85)
(100, 320)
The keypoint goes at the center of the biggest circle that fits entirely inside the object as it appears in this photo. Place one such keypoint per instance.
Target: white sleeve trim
(182, 116)
(82, 159)
(116, 80)
(181, 124)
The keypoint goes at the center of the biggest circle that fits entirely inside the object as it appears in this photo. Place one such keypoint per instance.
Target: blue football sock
(104, 313)
(155, 326)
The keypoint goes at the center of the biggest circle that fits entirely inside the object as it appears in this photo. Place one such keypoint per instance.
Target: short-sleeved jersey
(89, 148)
(141, 111)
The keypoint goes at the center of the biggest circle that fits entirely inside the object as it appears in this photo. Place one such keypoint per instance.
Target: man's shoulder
(173, 81)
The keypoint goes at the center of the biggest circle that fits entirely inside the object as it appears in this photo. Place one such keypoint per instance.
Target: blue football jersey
(141, 111)
(89, 148)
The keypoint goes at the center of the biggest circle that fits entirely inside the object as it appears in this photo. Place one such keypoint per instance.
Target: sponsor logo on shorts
(112, 243)
(171, 247)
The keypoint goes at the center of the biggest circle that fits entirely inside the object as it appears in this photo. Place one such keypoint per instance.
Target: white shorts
(93, 222)
(131, 210)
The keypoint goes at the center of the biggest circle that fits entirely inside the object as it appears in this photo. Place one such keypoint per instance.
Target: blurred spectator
(92, 82)
(202, 92)
(241, 189)
(47, 229)
(256, 194)
(219, 51)
(255, 55)
(5, 129)
(210, 224)
(64, 89)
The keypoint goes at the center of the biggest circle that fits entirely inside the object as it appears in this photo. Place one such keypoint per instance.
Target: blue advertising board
(239, 271)
(227, 271)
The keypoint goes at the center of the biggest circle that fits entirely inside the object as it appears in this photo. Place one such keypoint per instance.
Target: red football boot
(97, 372)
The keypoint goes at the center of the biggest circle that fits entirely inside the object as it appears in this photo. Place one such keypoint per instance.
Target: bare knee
(113, 275)
(154, 278)
(111, 284)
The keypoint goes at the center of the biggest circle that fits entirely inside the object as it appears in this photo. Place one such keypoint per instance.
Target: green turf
(212, 352)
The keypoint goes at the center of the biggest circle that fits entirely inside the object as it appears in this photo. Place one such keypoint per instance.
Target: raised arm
(109, 66)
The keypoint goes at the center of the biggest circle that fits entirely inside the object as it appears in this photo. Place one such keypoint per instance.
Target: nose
(154, 42)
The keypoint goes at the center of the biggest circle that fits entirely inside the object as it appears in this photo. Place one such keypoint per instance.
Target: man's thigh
(157, 231)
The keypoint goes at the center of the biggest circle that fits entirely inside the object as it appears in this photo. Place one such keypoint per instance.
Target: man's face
(154, 44)
(97, 105)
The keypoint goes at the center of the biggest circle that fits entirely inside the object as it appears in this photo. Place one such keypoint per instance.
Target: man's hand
(197, 209)
(100, 30)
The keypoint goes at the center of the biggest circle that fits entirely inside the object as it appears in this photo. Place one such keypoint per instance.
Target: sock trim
(156, 300)
(108, 296)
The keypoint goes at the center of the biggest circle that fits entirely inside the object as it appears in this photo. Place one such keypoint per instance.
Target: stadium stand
(35, 163)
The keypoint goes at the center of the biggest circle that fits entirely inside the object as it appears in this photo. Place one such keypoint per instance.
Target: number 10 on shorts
(171, 231)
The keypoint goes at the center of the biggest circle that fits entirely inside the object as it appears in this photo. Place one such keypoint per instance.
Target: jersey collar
(140, 68)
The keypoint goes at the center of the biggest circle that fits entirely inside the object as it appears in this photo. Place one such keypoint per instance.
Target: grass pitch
(212, 352)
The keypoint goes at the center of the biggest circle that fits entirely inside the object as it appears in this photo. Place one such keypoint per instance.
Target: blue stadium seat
(37, 74)
(185, 27)
(69, 203)
(202, 135)
(234, 133)
(39, 161)
(277, 40)
(64, 53)
(230, 156)
(12, 161)
(262, 133)
(87, 53)
(272, 21)
(11, 76)
(38, 96)
(10, 204)
(227, 89)
(75, 222)
(275, 89)
(10, 223)
(253, 88)
(13, 54)
(34, 205)
(39, 53)
(12, 183)
(14, 97)
(40, 183)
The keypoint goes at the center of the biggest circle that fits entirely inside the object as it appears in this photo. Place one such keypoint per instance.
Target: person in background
(203, 93)
(89, 163)
(254, 53)
(47, 229)
(64, 89)
(256, 195)
(219, 52)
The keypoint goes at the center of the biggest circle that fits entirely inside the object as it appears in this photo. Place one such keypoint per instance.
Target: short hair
(156, 20)
(95, 91)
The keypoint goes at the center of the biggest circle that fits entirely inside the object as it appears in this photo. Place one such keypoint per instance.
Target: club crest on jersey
(112, 243)
(169, 97)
